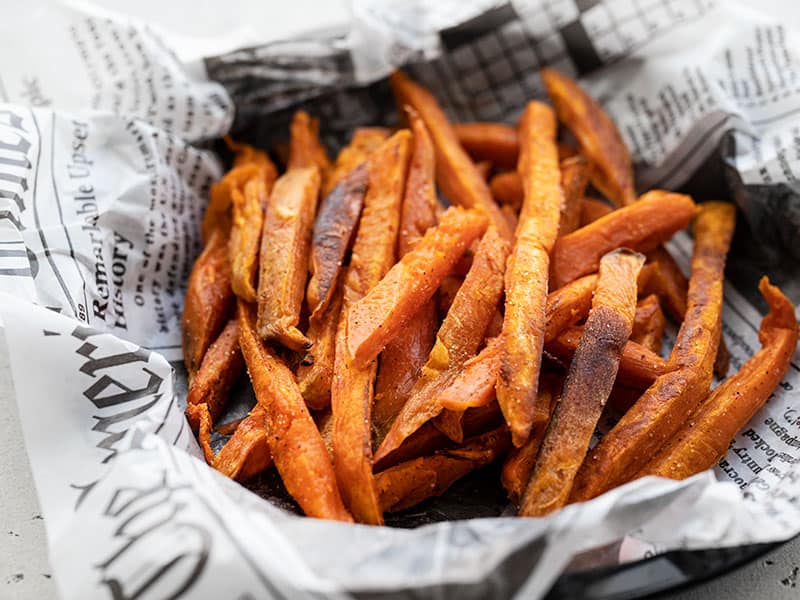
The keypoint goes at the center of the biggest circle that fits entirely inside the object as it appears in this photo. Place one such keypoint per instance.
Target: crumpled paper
(104, 170)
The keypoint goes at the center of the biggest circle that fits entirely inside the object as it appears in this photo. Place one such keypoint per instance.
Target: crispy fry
(248, 218)
(600, 141)
(638, 367)
(641, 227)
(364, 142)
(332, 237)
(519, 462)
(427, 439)
(592, 209)
(246, 453)
(412, 482)
(664, 407)
(574, 177)
(221, 195)
(305, 149)
(526, 276)
(221, 367)
(247, 154)
(484, 168)
(285, 246)
(352, 391)
(200, 418)
(568, 305)
(506, 189)
(315, 372)
(722, 361)
(375, 319)
(458, 339)
(670, 284)
(449, 423)
(648, 325)
(495, 142)
(474, 385)
(294, 441)
(404, 356)
(591, 375)
(447, 292)
(455, 172)
(705, 437)
(208, 299)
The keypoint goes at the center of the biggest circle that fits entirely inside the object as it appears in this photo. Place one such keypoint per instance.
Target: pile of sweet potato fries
(395, 345)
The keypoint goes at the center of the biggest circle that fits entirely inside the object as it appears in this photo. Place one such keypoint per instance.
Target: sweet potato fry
(221, 195)
(574, 177)
(246, 453)
(364, 142)
(294, 441)
(404, 356)
(352, 391)
(526, 276)
(648, 324)
(495, 142)
(568, 305)
(704, 438)
(670, 284)
(315, 372)
(247, 154)
(285, 246)
(642, 227)
(506, 189)
(200, 419)
(305, 149)
(461, 334)
(410, 483)
(591, 375)
(474, 385)
(665, 406)
(332, 237)
(592, 209)
(375, 319)
(208, 301)
(518, 466)
(427, 439)
(455, 172)
(599, 139)
(221, 367)
(638, 367)
(248, 219)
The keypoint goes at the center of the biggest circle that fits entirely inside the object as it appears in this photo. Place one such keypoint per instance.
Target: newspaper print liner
(233, 543)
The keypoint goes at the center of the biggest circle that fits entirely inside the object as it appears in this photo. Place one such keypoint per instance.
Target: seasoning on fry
(526, 276)
(285, 246)
(591, 375)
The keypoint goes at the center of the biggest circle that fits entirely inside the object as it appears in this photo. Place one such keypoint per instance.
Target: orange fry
(246, 453)
(285, 246)
(670, 284)
(458, 339)
(706, 435)
(411, 482)
(248, 219)
(574, 177)
(364, 142)
(456, 174)
(592, 209)
(638, 367)
(208, 299)
(589, 381)
(221, 367)
(377, 318)
(665, 406)
(352, 391)
(332, 236)
(474, 385)
(305, 149)
(526, 276)
(519, 462)
(648, 324)
(221, 195)
(495, 142)
(315, 372)
(294, 441)
(506, 189)
(404, 356)
(600, 141)
(642, 227)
